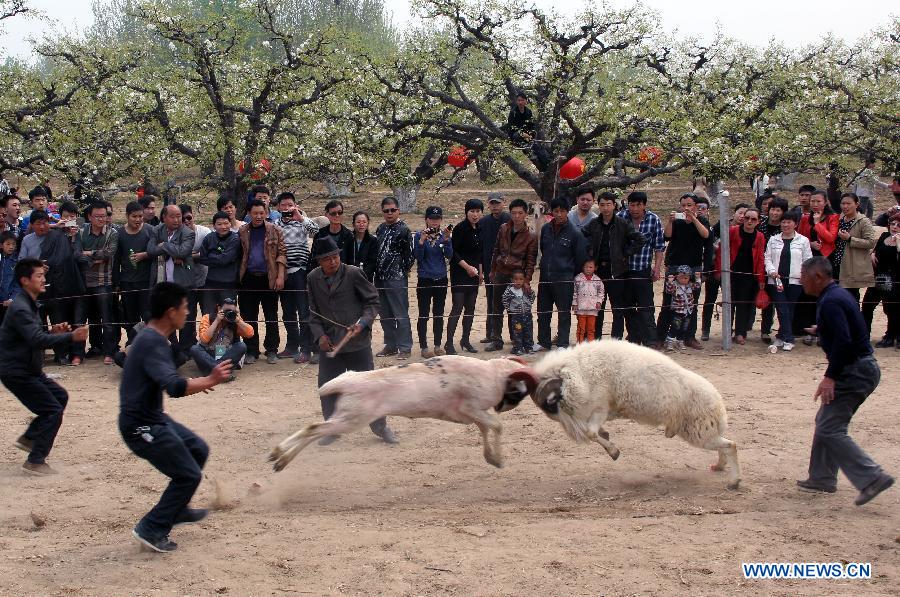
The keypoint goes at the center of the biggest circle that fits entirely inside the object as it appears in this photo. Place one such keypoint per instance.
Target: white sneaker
(788, 346)
(680, 345)
(670, 345)
(778, 343)
(537, 348)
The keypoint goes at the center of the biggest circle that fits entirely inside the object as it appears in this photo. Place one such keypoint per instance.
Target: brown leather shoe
(693, 343)
(39, 470)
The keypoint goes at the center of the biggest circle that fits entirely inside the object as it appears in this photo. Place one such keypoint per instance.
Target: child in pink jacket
(588, 301)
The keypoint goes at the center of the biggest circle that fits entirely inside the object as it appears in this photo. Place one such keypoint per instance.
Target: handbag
(762, 299)
(884, 282)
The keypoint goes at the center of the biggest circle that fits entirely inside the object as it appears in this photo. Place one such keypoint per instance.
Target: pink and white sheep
(585, 386)
(450, 388)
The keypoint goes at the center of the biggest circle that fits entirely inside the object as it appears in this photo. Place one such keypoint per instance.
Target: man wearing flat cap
(342, 301)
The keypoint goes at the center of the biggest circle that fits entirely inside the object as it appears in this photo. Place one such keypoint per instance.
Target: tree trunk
(406, 197)
(338, 185)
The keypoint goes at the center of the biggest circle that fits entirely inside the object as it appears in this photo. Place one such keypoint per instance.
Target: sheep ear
(527, 375)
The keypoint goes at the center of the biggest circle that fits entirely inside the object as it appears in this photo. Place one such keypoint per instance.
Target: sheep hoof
(614, 454)
(734, 484)
(498, 462)
(279, 466)
(273, 456)
(716, 468)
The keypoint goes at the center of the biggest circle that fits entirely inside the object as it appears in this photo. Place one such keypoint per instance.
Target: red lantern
(572, 169)
(651, 155)
(260, 170)
(459, 157)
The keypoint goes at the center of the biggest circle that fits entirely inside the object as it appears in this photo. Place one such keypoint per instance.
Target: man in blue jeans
(173, 449)
(852, 375)
(395, 258)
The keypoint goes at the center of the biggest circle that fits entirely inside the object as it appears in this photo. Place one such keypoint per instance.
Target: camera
(432, 231)
(679, 215)
(230, 315)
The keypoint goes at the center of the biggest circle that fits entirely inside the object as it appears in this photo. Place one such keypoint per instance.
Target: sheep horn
(548, 395)
(526, 375)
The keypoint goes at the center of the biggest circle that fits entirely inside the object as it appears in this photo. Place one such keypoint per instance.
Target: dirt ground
(429, 516)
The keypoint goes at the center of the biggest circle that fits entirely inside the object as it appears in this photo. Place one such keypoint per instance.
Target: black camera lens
(231, 315)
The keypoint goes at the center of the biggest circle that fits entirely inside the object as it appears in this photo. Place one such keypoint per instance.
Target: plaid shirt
(100, 264)
(682, 296)
(652, 229)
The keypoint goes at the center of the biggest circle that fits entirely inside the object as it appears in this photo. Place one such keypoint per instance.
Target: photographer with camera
(686, 232)
(220, 340)
(432, 248)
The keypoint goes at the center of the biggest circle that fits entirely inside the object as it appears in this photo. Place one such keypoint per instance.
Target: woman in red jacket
(820, 225)
(747, 247)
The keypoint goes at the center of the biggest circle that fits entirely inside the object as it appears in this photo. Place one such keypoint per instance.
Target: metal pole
(724, 242)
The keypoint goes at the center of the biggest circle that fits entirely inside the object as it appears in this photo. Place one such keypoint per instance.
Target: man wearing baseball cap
(432, 248)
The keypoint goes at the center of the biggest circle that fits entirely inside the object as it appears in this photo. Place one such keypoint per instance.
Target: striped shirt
(652, 229)
(296, 235)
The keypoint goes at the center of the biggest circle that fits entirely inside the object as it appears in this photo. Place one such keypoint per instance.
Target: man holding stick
(23, 340)
(173, 449)
(852, 375)
(343, 305)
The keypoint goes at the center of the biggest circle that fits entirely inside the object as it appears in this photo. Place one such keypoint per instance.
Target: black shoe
(484, 340)
(328, 440)
(885, 343)
(162, 544)
(468, 347)
(386, 352)
(449, 349)
(875, 487)
(65, 362)
(810, 487)
(493, 347)
(388, 437)
(190, 516)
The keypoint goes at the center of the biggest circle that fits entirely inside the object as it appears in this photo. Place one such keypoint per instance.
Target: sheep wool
(611, 379)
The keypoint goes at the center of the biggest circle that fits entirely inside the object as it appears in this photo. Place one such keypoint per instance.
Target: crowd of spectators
(593, 251)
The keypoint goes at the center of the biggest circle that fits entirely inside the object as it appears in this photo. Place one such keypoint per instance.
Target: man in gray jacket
(172, 247)
(342, 301)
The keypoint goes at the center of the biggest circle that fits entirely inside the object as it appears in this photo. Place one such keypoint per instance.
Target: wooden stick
(350, 334)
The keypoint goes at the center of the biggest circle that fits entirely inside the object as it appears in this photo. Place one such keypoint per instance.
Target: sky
(793, 22)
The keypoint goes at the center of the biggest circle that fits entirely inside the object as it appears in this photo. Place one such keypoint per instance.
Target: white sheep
(585, 386)
(450, 388)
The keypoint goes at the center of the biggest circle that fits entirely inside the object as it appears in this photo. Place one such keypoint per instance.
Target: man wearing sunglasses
(187, 337)
(395, 259)
(340, 234)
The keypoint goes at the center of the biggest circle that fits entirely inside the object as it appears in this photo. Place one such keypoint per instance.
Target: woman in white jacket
(785, 253)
